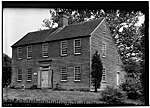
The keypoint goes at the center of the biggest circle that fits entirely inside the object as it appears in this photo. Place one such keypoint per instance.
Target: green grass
(63, 96)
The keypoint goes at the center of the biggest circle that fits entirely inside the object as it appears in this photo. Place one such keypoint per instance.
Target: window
(104, 75)
(77, 74)
(77, 46)
(103, 49)
(45, 49)
(29, 74)
(118, 79)
(29, 51)
(63, 48)
(104, 30)
(19, 52)
(63, 74)
(19, 75)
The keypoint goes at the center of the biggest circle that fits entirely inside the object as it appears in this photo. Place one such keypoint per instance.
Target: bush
(132, 88)
(113, 95)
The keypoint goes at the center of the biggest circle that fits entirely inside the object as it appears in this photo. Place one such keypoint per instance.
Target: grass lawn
(61, 96)
(48, 94)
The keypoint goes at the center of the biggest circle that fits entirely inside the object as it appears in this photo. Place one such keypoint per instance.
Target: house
(62, 56)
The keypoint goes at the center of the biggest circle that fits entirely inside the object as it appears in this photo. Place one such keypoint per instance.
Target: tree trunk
(95, 87)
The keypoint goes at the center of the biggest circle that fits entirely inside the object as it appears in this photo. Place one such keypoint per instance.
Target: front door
(44, 79)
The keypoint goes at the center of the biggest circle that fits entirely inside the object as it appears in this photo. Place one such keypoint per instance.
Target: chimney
(63, 19)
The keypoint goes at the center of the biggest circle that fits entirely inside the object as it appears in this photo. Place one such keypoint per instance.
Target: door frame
(41, 68)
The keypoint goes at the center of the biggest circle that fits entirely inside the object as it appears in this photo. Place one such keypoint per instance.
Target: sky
(18, 22)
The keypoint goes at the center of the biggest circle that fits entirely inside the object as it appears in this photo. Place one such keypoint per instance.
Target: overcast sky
(18, 22)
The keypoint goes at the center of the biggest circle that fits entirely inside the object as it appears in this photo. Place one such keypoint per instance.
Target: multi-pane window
(63, 48)
(29, 51)
(19, 75)
(77, 46)
(77, 73)
(103, 74)
(29, 74)
(63, 74)
(103, 49)
(19, 52)
(104, 30)
(45, 50)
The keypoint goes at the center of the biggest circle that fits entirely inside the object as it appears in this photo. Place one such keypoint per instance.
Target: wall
(58, 61)
(111, 62)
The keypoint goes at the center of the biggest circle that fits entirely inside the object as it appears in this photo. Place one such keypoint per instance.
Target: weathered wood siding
(58, 61)
(111, 62)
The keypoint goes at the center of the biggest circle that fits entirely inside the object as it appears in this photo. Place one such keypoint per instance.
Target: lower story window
(104, 75)
(29, 74)
(77, 73)
(19, 75)
(63, 74)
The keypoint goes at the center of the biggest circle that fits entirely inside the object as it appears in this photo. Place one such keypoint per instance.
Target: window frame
(104, 75)
(75, 73)
(18, 53)
(28, 75)
(103, 49)
(20, 75)
(77, 46)
(63, 74)
(64, 48)
(43, 51)
(29, 52)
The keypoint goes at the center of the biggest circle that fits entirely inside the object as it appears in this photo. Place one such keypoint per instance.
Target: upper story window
(104, 30)
(29, 74)
(64, 48)
(104, 75)
(77, 46)
(19, 75)
(103, 49)
(63, 74)
(19, 52)
(77, 73)
(45, 50)
(29, 51)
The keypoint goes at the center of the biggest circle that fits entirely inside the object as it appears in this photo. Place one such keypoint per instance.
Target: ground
(49, 94)
(61, 96)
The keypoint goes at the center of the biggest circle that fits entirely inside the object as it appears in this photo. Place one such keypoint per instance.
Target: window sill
(19, 80)
(29, 58)
(19, 58)
(28, 80)
(103, 81)
(63, 80)
(77, 53)
(45, 56)
(63, 55)
(77, 80)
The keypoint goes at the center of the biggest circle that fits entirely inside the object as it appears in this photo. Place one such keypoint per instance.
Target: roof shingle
(71, 31)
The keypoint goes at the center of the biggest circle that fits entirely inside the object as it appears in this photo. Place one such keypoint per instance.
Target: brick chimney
(63, 19)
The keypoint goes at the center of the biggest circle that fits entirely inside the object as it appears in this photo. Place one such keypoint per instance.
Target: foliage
(113, 95)
(133, 85)
(6, 74)
(96, 74)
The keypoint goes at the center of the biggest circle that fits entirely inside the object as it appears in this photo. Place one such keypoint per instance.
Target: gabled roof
(71, 31)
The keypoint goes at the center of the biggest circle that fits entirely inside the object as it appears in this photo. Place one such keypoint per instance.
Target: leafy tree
(96, 73)
(6, 74)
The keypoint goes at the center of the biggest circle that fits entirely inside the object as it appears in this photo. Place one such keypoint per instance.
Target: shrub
(132, 88)
(33, 86)
(113, 95)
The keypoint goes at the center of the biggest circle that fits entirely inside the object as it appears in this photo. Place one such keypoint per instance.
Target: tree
(6, 74)
(96, 74)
